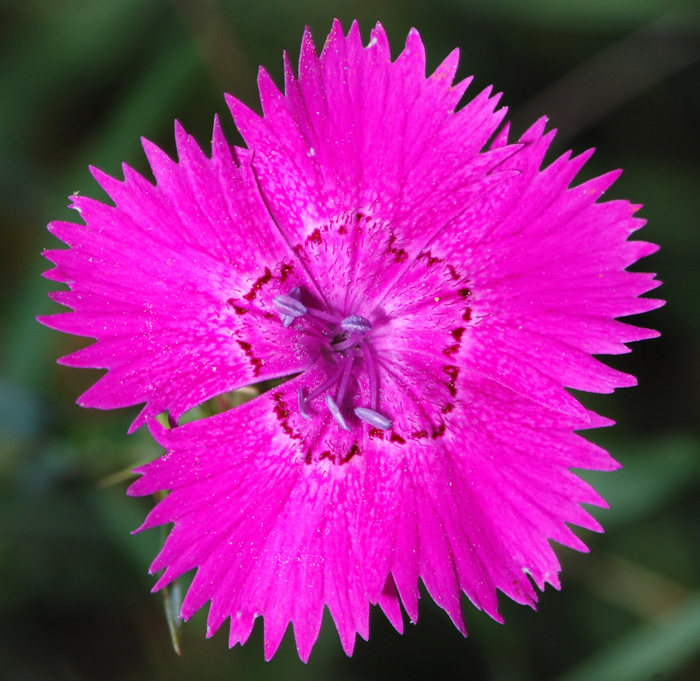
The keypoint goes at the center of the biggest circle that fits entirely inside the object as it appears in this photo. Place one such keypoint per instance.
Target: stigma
(348, 343)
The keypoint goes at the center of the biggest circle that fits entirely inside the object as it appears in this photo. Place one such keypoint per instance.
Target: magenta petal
(387, 137)
(291, 531)
(391, 605)
(164, 281)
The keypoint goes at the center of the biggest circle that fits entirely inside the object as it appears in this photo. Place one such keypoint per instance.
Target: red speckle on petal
(452, 373)
(439, 431)
(315, 237)
(467, 316)
(255, 361)
(261, 281)
(399, 254)
(451, 350)
(430, 258)
(281, 411)
(376, 433)
(285, 271)
(419, 435)
(395, 437)
(231, 304)
(353, 451)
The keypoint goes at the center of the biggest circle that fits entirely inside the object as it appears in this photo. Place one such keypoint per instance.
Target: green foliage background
(82, 80)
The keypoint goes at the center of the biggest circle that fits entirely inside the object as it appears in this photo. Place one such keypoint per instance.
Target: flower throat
(349, 343)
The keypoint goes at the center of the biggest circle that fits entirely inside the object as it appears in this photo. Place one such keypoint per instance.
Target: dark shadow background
(82, 80)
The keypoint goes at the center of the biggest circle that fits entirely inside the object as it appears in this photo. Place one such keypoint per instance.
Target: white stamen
(302, 404)
(288, 306)
(373, 418)
(335, 413)
(356, 324)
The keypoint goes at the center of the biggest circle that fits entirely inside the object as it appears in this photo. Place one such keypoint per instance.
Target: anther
(335, 413)
(373, 418)
(356, 324)
(302, 404)
(289, 308)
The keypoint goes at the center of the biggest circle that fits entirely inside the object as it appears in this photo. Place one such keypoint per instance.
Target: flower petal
(269, 534)
(385, 139)
(546, 263)
(167, 280)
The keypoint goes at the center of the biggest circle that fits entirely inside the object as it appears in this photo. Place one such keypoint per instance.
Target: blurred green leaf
(651, 652)
(172, 602)
(654, 473)
(20, 412)
(147, 105)
(121, 515)
(78, 38)
(672, 205)
(567, 13)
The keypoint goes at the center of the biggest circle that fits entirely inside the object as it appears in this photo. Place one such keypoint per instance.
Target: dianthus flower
(427, 293)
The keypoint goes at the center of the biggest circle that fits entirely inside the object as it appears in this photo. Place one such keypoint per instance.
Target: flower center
(349, 343)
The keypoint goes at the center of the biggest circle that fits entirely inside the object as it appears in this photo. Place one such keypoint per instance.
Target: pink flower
(429, 302)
